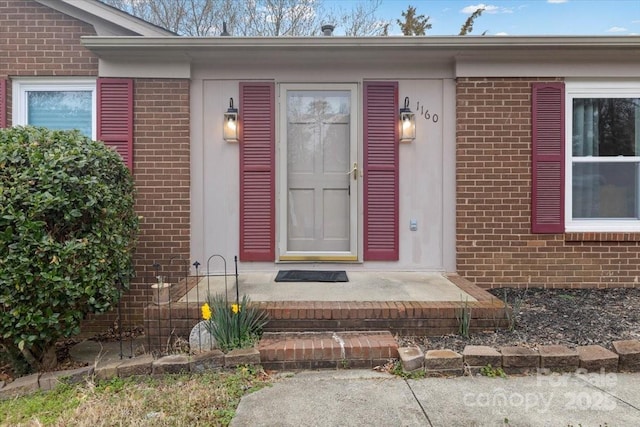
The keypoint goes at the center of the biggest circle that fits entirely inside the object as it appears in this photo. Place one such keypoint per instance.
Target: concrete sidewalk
(363, 398)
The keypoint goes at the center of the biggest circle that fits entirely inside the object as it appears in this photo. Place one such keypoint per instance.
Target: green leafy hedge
(67, 232)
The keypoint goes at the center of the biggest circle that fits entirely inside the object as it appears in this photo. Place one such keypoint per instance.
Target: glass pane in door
(318, 165)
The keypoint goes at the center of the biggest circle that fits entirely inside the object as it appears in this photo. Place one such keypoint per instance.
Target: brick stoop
(409, 318)
(318, 350)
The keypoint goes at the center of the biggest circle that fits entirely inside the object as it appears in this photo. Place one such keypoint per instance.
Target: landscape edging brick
(146, 363)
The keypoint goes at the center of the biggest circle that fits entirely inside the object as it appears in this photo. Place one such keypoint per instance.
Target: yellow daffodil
(206, 311)
(235, 308)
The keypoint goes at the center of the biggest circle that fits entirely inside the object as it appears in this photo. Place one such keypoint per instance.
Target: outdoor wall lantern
(230, 125)
(407, 123)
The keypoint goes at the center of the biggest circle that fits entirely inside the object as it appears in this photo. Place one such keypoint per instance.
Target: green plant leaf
(66, 203)
(235, 330)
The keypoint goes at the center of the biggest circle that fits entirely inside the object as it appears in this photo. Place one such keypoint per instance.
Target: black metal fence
(173, 299)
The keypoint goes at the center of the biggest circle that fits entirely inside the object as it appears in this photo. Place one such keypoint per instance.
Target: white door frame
(281, 179)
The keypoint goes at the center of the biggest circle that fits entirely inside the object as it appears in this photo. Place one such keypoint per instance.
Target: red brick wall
(495, 246)
(38, 41)
(162, 175)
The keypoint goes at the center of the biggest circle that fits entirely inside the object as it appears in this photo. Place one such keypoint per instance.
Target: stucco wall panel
(423, 164)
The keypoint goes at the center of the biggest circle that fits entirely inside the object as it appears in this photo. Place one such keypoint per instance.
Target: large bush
(67, 232)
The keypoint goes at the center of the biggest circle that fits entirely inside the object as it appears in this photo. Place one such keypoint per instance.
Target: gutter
(427, 42)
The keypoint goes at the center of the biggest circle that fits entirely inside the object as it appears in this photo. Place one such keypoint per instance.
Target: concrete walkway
(104, 353)
(363, 398)
(362, 286)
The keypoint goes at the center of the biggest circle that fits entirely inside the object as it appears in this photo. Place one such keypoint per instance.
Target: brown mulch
(572, 317)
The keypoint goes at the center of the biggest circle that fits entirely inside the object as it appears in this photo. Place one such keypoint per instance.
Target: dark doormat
(311, 276)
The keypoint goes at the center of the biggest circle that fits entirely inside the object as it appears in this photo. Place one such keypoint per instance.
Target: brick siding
(495, 247)
(494, 244)
(162, 174)
(38, 41)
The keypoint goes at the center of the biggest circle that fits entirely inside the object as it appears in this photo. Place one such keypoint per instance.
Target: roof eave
(442, 42)
(106, 20)
(397, 49)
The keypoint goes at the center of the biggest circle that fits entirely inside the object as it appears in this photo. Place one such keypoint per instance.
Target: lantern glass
(407, 126)
(230, 127)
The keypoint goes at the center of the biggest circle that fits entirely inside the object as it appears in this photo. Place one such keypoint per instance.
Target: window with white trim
(56, 103)
(602, 185)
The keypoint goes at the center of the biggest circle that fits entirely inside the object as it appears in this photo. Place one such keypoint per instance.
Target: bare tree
(202, 17)
(255, 17)
(361, 20)
(280, 18)
(170, 14)
(185, 17)
(139, 8)
(228, 11)
(206, 17)
(273, 18)
(305, 17)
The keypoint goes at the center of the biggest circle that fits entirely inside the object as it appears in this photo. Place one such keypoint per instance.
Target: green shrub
(67, 231)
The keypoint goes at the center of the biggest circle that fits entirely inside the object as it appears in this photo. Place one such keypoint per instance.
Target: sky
(522, 17)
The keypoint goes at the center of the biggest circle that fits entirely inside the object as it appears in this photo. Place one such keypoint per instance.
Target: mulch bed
(572, 317)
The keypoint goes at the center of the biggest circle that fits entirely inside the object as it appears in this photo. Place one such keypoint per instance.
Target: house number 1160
(426, 114)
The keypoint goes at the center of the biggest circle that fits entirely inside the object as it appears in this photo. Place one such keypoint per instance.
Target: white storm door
(319, 173)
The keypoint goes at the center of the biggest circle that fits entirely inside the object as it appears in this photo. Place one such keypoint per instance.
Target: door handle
(354, 171)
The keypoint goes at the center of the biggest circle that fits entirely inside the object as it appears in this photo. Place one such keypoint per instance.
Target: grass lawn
(208, 399)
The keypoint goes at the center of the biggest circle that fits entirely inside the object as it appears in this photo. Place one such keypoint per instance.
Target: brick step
(321, 350)
(409, 318)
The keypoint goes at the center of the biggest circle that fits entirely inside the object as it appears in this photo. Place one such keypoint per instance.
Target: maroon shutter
(547, 192)
(381, 171)
(257, 172)
(3, 103)
(115, 116)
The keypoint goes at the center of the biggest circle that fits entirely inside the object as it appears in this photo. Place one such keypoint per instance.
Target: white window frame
(21, 86)
(594, 89)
